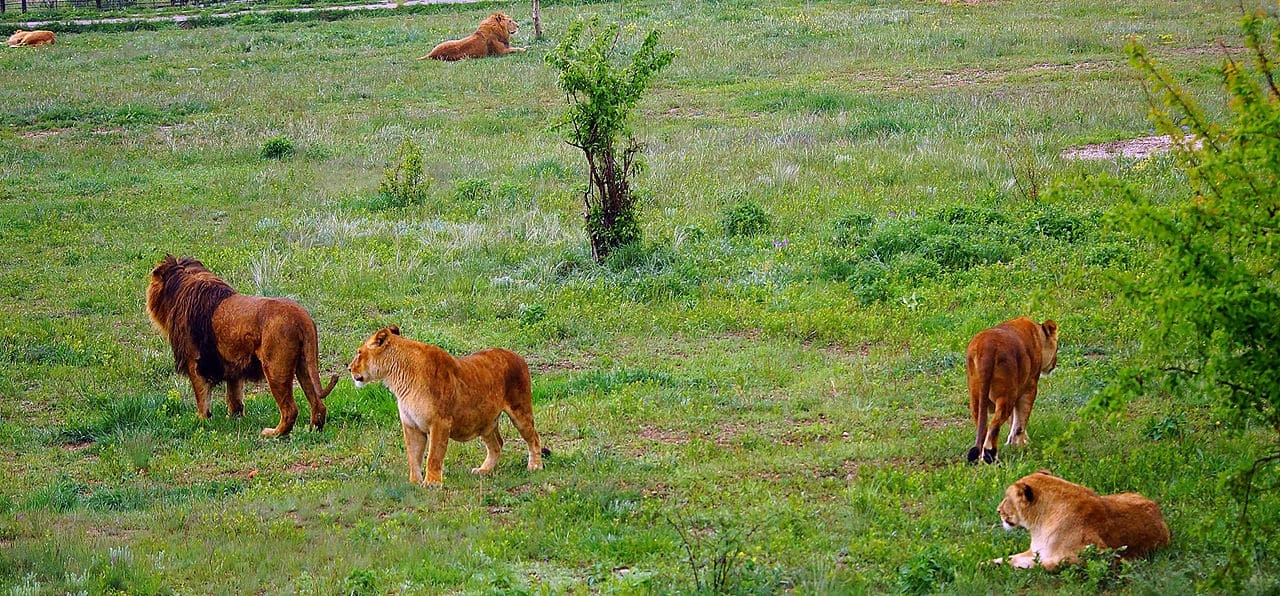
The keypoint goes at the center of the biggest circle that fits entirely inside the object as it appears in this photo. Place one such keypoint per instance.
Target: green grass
(785, 403)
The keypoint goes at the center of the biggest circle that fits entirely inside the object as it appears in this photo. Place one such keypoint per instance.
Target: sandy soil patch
(1129, 148)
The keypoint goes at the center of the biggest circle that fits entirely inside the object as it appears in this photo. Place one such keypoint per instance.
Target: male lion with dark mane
(1064, 518)
(441, 397)
(492, 38)
(220, 335)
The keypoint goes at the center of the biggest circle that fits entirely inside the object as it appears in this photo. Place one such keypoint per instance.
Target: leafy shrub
(601, 95)
(926, 572)
(744, 218)
(360, 582)
(1215, 330)
(277, 148)
(532, 313)
(1053, 222)
(473, 191)
(869, 281)
(405, 183)
(851, 229)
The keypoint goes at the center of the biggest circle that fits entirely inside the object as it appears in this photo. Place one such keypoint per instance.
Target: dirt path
(178, 18)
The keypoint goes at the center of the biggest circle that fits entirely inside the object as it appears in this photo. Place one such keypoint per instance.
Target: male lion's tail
(333, 381)
(311, 363)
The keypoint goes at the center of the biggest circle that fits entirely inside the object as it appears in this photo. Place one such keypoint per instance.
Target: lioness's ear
(394, 329)
(1050, 328)
(1028, 494)
(380, 337)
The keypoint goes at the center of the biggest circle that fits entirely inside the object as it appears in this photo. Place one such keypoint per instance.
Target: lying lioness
(30, 38)
(1064, 518)
(442, 398)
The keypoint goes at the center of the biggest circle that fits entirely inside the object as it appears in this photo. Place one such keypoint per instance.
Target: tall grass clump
(1215, 330)
(602, 90)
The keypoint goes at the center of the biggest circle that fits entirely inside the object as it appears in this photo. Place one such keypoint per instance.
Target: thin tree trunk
(537, 19)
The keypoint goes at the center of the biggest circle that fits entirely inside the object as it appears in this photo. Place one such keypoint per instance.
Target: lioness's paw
(535, 466)
(269, 432)
(481, 470)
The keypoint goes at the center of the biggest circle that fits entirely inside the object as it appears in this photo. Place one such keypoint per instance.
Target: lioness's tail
(546, 452)
(979, 401)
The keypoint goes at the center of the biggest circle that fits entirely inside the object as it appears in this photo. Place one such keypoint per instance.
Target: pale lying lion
(30, 38)
(492, 38)
(1064, 518)
(442, 398)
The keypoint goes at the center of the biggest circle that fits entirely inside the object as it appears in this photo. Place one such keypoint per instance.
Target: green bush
(277, 148)
(744, 218)
(405, 183)
(602, 92)
(1214, 332)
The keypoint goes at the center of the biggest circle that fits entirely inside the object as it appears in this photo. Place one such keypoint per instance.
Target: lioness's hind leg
(1021, 413)
(523, 420)
(492, 449)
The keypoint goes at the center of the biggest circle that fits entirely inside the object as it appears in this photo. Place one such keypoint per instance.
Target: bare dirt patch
(40, 134)
(934, 423)
(562, 365)
(1138, 148)
(302, 466)
(78, 446)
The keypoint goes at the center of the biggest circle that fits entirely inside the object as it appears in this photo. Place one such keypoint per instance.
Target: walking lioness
(441, 397)
(1003, 365)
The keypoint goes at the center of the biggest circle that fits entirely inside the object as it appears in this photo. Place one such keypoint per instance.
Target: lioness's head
(1016, 510)
(501, 22)
(1049, 347)
(365, 366)
(16, 38)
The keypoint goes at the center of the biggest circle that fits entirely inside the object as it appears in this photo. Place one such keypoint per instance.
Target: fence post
(24, 5)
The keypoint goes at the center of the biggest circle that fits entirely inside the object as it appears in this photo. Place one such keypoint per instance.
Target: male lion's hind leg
(235, 398)
(492, 449)
(282, 390)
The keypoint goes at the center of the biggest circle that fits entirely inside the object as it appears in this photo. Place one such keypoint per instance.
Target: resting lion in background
(1064, 518)
(220, 335)
(1003, 365)
(492, 38)
(441, 397)
(30, 38)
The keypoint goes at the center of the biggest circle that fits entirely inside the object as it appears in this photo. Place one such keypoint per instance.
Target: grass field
(738, 412)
